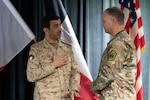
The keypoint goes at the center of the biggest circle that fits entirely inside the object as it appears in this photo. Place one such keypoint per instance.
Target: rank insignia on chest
(31, 57)
(111, 55)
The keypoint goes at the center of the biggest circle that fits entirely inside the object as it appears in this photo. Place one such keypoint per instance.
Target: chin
(106, 31)
(58, 37)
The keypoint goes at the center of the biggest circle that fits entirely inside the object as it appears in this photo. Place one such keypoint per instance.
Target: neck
(51, 41)
(117, 30)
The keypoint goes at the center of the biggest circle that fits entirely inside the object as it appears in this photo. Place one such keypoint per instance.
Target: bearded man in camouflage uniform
(52, 65)
(116, 77)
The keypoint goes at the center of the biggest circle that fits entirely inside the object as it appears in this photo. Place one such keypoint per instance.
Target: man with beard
(52, 65)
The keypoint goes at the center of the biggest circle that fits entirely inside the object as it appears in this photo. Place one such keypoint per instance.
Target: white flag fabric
(14, 33)
(68, 35)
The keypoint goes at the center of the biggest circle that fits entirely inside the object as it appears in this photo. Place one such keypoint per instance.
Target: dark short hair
(117, 13)
(46, 20)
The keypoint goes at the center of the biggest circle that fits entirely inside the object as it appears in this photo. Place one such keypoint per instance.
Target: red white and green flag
(14, 33)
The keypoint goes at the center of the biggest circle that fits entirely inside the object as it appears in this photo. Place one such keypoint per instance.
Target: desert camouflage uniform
(51, 83)
(116, 77)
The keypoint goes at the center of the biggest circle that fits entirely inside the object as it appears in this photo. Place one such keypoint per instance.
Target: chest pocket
(46, 56)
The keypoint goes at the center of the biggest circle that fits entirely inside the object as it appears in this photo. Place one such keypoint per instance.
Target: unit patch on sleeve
(111, 55)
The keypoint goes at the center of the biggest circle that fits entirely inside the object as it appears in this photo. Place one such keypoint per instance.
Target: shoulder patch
(31, 57)
(111, 55)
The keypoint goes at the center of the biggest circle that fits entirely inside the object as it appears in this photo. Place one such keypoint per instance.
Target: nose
(59, 26)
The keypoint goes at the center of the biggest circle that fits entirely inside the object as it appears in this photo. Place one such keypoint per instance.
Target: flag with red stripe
(134, 27)
(55, 7)
(14, 33)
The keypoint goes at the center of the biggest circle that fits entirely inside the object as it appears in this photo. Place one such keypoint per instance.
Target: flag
(133, 25)
(55, 7)
(14, 33)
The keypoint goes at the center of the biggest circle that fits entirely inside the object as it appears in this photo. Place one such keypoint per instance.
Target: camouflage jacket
(116, 77)
(51, 83)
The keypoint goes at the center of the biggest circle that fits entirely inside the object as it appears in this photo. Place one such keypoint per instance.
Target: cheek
(55, 31)
(105, 25)
(108, 24)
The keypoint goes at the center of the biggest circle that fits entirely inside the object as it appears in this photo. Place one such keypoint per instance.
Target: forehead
(106, 15)
(52, 22)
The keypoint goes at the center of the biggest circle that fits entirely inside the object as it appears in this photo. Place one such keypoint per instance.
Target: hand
(60, 61)
(97, 96)
(73, 93)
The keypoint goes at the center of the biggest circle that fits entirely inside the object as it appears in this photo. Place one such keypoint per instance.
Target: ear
(114, 21)
(45, 30)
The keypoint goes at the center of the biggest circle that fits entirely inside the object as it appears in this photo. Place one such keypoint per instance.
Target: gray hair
(117, 13)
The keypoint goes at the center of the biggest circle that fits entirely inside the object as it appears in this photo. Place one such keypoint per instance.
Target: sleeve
(110, 65)
(75, 75)
(36, 70)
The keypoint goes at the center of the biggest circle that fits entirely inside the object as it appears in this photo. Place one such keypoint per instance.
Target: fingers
(65, 58)
(61, 58)
(72, 93)
(60, 61)
(77, 94)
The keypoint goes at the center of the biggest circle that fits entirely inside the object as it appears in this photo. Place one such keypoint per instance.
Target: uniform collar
(118, 34)
(46, 44)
